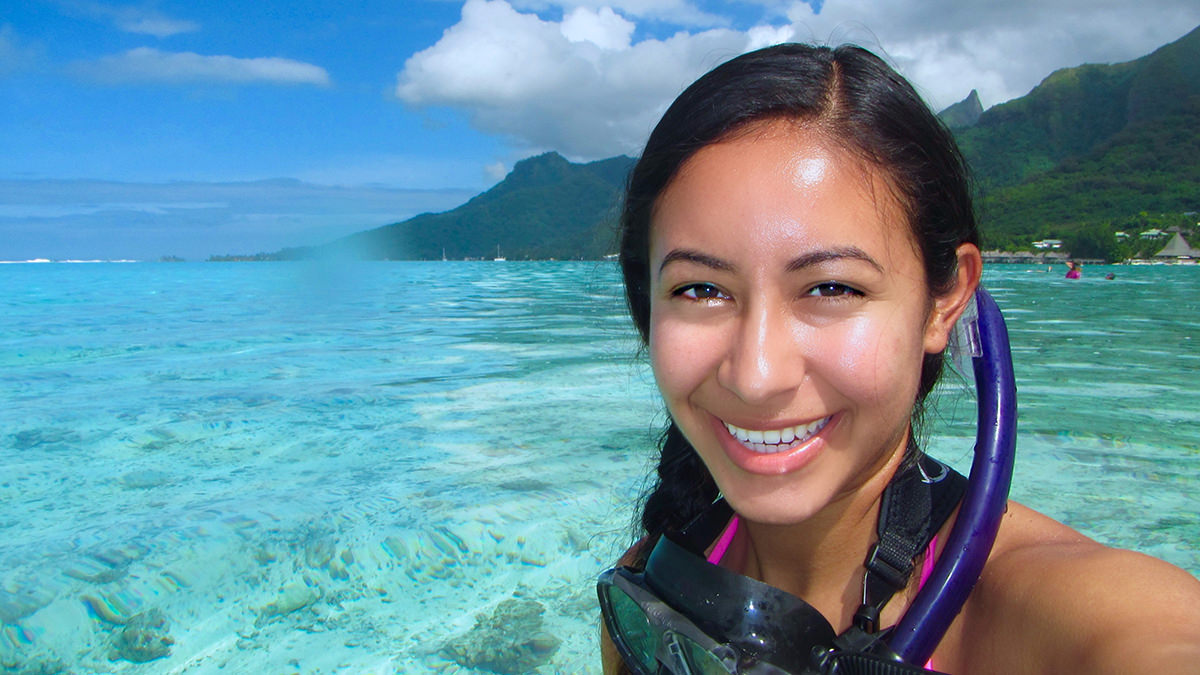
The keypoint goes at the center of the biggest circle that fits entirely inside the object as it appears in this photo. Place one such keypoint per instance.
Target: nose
(764, 359)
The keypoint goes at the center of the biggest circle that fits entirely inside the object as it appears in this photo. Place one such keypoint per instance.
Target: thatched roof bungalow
(1178, 249)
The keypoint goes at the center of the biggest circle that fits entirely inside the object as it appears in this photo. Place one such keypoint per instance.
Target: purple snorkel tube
(983, 504)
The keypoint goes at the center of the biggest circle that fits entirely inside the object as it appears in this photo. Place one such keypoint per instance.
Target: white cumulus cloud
(592, 83)
(948, 47)
(146, 64)
(578, 86)
(604, 28)
(679, 12)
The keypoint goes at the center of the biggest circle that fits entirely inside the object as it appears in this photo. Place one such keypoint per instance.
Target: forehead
(780, 184)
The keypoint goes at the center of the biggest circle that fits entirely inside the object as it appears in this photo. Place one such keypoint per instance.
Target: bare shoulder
(1053, 600)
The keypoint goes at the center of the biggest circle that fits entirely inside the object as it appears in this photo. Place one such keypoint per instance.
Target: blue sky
(143, 129)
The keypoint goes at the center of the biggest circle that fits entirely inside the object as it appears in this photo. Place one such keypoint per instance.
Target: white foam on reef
(47, 260)
(120, 260)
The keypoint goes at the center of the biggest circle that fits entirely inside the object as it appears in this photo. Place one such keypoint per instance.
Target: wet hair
(856, 102)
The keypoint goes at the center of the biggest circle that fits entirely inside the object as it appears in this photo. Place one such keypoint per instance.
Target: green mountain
(546, 207)
(1090, 145)
(1091, 150)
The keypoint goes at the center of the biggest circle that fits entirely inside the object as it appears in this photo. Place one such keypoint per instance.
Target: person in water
(797, 242)
(1074, 270)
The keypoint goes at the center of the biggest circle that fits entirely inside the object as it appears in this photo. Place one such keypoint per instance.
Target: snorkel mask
(684, 615)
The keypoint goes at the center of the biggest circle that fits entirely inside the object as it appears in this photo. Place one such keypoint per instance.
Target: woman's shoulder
(1053, 600)
(1031, 545)
(634, 555)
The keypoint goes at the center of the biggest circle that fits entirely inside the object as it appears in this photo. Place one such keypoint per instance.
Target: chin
(778, 507)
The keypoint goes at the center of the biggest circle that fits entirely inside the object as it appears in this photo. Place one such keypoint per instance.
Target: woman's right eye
(833, 289)
(699, 292)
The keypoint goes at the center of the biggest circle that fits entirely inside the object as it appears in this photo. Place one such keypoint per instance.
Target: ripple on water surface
(274, 467)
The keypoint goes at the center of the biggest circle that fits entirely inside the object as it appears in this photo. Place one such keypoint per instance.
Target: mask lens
(634, 626)
(700, 660)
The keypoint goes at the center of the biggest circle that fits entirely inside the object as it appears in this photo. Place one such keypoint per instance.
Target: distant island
(1098, 162)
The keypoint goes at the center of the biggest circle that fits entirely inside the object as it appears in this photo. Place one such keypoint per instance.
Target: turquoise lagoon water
(421, 467)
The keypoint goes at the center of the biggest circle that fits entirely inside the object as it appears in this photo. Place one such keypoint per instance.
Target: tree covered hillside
(1089, 147)
(546, 207)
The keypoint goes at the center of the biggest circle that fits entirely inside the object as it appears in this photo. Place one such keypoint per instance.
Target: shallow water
(290, 468)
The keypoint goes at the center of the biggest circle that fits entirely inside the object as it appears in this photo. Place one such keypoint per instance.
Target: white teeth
(775, 440)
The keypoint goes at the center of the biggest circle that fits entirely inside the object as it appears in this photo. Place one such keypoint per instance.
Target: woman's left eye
(700, 292)
(832, 289)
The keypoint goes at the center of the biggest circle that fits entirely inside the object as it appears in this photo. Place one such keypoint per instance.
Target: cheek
(675, 357)
(877, 364)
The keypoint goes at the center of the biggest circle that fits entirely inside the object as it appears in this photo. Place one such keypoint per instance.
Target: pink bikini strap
(726, 538)
(927, 565)
(723, 541)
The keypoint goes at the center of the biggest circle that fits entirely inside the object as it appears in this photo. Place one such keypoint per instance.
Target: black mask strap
(914, 506)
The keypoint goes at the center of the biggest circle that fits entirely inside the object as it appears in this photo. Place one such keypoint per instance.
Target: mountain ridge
(546, 207)
(1092, 150)
(1086, 148)
(1074, 109)
(963, 114)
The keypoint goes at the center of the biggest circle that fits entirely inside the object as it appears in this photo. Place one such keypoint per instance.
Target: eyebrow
(688, 255)
(825, 255)
(797, 264)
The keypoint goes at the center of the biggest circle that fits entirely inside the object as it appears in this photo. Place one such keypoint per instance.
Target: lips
(772, 452)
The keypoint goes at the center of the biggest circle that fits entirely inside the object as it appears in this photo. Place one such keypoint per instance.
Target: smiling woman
(811, 313)
(798, 244)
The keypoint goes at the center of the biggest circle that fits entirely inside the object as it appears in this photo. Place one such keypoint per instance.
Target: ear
(949, 306)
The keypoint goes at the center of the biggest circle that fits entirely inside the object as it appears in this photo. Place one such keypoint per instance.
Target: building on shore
(1178, 250)
(1042, 257)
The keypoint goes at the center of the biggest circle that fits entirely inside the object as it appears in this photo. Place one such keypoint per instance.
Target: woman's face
(789, 319)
